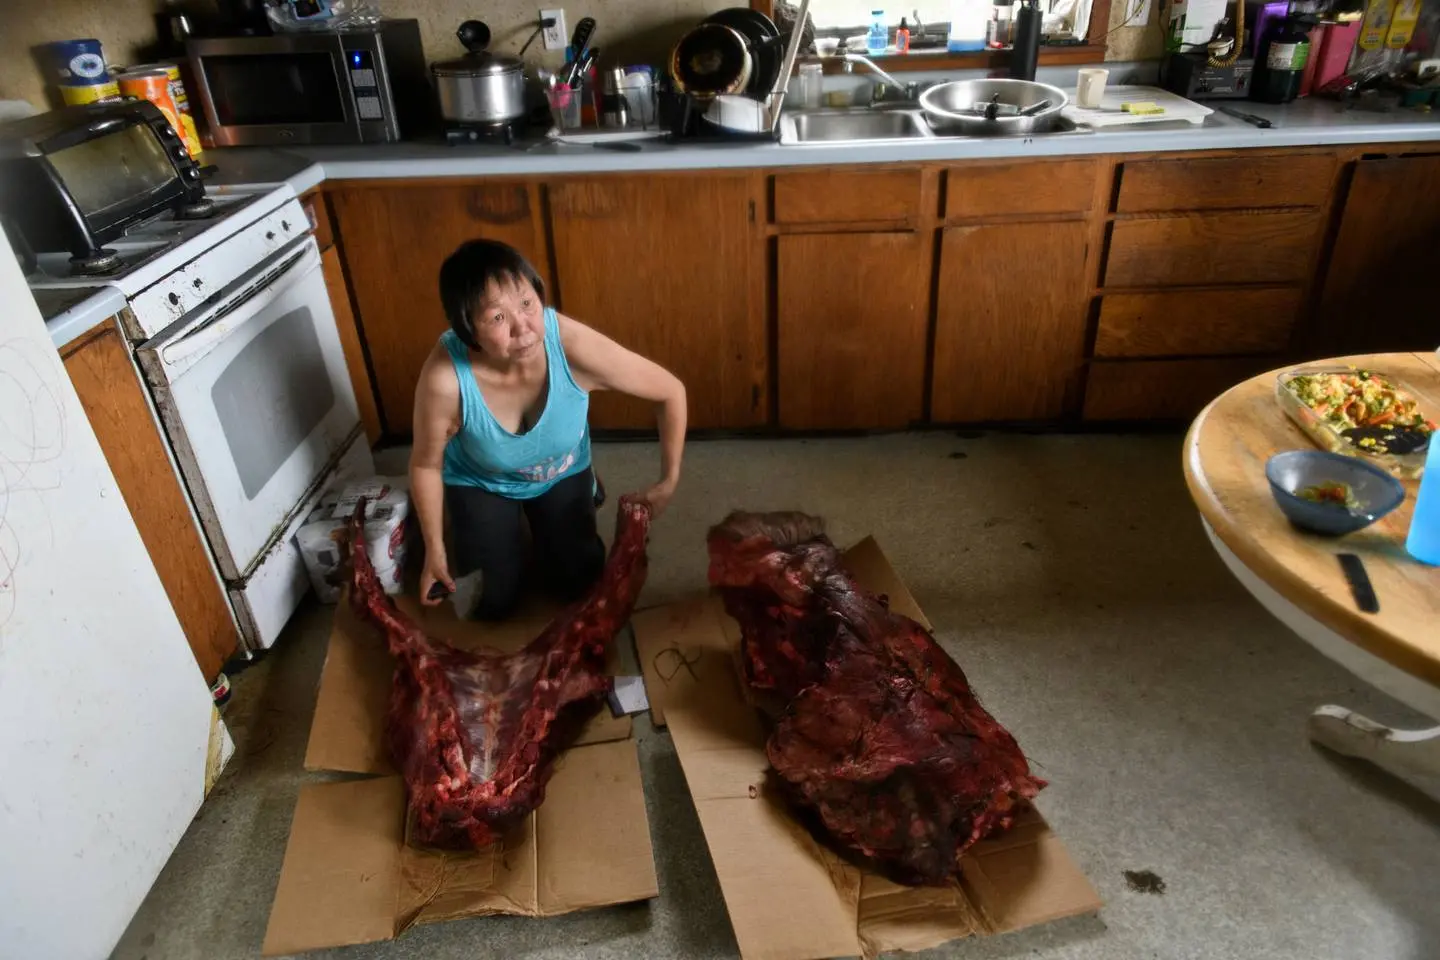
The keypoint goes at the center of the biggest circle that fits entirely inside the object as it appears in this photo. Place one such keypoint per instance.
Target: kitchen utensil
(480, 87)
(991, 107)
(1090, 86)
(776, 100)
(614, 110)
(1111, 112)
(1360, 586)
(767, 47)
(710, 60)
(1250, 118)
(579, 46)
(564, 103)
(1376, 493)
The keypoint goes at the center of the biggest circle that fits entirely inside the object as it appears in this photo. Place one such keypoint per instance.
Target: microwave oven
(76, 178)
(366, 85)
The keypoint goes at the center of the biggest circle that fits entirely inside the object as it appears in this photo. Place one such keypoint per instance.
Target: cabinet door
(1010, 322)
(670, 267)
(1380, 290)
(852, 310)
(109, 388)
(394, 239)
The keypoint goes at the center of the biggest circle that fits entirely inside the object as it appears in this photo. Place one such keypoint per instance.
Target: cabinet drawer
(1217, 183)
(1218, 248)
(841, 196)
(1201, 323)
(1031, 187)
(1162, 389)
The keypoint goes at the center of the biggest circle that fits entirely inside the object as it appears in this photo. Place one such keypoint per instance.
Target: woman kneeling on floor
(502, 432)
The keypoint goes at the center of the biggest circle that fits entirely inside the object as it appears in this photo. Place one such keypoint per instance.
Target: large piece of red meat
(876, 733)
(475, 735)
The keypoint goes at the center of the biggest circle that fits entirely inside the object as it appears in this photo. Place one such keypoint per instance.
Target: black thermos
(1026, 52)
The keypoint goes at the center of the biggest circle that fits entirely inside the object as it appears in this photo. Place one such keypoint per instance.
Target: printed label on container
(1287, 56)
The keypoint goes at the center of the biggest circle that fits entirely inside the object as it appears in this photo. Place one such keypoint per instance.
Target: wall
(632, 31)
(125, 27)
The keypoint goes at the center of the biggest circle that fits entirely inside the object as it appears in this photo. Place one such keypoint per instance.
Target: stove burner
(202, 209)
(98, 263)
(498, 131)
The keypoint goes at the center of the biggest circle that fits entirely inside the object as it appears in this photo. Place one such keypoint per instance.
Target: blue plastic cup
(1424, 539)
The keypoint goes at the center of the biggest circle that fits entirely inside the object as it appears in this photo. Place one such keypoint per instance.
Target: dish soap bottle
(878, 39)
(1423, 541)
(902, 37)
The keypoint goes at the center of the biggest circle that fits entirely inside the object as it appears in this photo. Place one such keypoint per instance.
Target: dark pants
(487, 534)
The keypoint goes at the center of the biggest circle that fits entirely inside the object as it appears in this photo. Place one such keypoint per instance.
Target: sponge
(1142, 107)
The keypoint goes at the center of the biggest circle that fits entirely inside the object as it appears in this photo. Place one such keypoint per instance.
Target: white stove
(235, 339)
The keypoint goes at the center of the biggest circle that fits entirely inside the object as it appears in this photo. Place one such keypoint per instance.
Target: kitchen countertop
(1300, 124)
(71, 312)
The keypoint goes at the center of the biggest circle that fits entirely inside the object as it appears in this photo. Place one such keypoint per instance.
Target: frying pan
(711, 60)
(767, 47)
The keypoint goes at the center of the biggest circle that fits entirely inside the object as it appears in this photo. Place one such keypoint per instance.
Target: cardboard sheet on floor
(789, 897)
(348, 875)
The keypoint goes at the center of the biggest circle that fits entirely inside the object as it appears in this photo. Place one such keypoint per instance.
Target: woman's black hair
(466, 273)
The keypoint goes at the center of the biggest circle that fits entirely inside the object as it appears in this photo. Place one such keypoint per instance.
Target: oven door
(255, 396)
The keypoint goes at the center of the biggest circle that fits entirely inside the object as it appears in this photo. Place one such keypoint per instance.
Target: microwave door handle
(199, 340)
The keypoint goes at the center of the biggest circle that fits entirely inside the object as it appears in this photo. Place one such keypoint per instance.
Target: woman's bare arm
(437, 418)
(600, 363)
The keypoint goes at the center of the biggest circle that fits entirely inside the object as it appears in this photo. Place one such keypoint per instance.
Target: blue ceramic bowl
(1294, 470)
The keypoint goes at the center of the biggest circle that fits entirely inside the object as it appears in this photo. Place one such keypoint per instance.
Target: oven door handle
(245, 304)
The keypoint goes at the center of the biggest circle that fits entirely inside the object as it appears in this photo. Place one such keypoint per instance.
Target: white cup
(1090, 86)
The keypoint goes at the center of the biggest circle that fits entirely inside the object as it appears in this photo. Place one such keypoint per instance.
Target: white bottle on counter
(968, 22)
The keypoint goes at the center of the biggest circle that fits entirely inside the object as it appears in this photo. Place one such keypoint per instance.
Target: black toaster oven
(76, 178)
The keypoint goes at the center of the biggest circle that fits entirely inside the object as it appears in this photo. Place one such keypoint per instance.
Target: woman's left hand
(659, 496)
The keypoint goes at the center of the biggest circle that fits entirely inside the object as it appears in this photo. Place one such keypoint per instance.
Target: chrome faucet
(908, 91)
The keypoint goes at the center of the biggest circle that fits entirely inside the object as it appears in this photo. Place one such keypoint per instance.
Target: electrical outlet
(1141, 11)
(557, 36)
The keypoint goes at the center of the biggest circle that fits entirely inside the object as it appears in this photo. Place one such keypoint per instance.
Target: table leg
(1402, 752)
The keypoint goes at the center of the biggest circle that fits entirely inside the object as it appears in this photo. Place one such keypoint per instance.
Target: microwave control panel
(361, 68)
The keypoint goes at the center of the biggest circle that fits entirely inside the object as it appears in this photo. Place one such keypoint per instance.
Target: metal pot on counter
(993, 107)
(480, 87)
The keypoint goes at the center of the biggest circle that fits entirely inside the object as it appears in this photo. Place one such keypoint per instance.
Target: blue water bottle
(878, 39)
(1424, 539)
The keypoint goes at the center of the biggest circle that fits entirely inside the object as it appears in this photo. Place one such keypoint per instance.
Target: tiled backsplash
(633, 31)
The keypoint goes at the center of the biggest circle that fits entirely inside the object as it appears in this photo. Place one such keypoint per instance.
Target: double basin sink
(859, 125)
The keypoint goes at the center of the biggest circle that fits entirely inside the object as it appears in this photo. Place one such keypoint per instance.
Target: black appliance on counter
(1193, 77)
(74, 179)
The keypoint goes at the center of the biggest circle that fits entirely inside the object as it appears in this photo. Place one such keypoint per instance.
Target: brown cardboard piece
(349, 877)
(789, 897)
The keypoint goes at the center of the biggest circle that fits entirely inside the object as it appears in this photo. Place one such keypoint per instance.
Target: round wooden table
(1298, 578)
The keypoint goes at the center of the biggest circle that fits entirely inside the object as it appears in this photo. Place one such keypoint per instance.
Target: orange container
(154, 85)
(187, 129)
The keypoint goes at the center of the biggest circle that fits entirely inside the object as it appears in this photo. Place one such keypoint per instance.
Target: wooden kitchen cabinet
(351, 344)
(1162, 389)
(852, 347)
(393, 239)
(1010, 319)
(671, 267)
(1217, 248)
(109, 388)
(1219, 183)
(1160, 323)
(1380, 290)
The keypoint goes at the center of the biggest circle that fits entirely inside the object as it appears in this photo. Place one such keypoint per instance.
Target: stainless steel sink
(853, 126)
(867, 125)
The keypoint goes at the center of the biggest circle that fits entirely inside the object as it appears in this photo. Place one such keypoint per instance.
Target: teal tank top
(520, 466)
